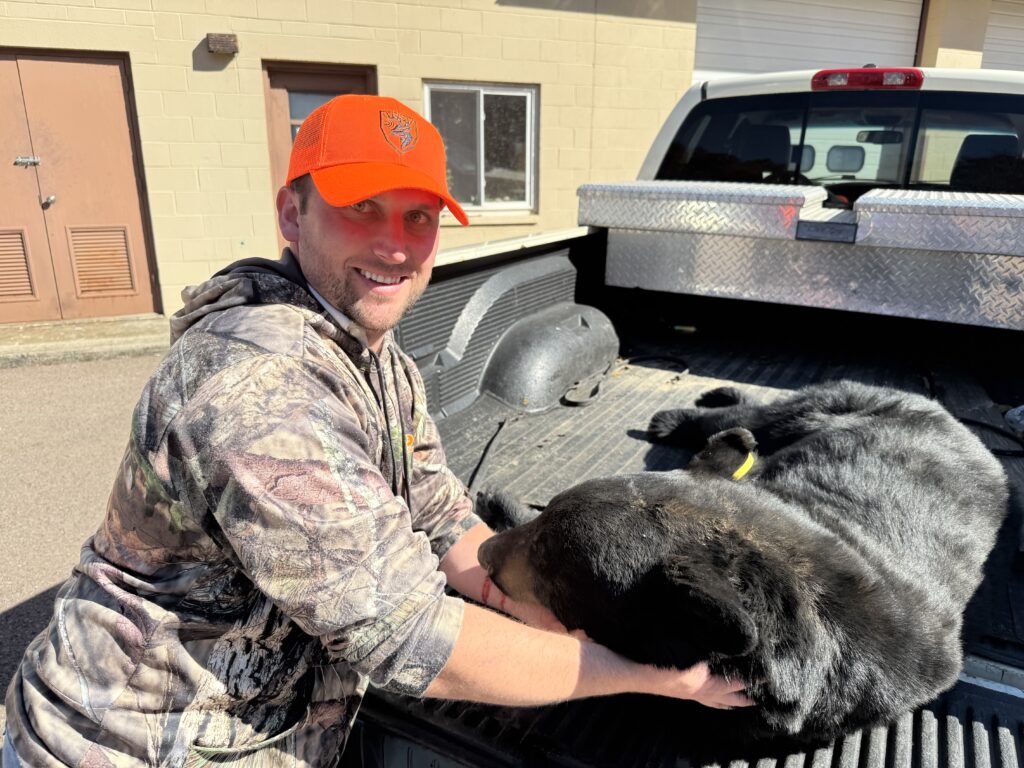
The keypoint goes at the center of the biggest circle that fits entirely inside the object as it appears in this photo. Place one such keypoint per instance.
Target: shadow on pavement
(18, 626)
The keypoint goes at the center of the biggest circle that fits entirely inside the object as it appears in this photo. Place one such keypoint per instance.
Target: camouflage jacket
(258, 564)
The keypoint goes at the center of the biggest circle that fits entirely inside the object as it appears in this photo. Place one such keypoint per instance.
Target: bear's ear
(708, 608)
(501, 510)
(727, 454)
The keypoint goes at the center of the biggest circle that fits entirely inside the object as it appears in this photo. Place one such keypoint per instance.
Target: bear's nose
(485, 555)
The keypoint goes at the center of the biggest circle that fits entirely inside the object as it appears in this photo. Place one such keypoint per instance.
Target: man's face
(371, 260)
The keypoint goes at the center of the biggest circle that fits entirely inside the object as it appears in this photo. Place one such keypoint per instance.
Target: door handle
(26, 160)
(48, 201)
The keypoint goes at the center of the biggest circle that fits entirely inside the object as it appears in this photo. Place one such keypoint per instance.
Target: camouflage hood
(249, 281)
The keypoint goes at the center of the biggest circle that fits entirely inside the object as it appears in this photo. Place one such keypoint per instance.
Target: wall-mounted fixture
(223, 43)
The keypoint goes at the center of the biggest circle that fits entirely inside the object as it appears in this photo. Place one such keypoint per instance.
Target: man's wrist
(610, 673)
(489, 591)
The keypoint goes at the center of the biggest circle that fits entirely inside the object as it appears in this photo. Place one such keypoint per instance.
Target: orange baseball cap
(357, 146)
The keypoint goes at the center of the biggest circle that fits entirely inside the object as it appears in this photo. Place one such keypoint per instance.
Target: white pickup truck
(786, 229)
(918, 170)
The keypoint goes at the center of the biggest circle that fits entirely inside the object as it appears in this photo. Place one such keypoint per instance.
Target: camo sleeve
(441, 504)
(275, 454)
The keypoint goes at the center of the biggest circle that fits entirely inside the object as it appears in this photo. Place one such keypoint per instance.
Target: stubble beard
(376, 315)
(373, 314)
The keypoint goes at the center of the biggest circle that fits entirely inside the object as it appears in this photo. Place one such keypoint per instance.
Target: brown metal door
(80, 131)
(27, 288)
(85, 191)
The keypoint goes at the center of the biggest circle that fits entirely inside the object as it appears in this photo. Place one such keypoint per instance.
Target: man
(283, 524)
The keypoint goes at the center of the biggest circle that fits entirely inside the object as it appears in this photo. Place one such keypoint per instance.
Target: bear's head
(638, 565)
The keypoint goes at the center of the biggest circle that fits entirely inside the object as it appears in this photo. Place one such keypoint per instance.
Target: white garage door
(737, 36)
(1004, 41)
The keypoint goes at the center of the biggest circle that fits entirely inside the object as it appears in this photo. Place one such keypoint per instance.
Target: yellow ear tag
(408, 440)
(744, 467)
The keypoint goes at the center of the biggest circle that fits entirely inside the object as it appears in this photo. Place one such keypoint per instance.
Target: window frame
(532, 94)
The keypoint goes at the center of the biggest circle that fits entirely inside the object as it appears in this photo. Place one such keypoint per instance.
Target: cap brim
(342, 185)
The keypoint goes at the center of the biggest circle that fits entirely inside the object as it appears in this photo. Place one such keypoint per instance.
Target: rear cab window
(851, 141)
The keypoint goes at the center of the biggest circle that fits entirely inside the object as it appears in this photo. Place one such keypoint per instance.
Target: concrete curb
(70, 341)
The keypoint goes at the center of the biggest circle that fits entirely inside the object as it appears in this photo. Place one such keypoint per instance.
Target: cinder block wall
(608, 71)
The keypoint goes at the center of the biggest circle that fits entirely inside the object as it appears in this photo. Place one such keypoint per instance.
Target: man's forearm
(498, 661)
(462, 569)
(468, 578)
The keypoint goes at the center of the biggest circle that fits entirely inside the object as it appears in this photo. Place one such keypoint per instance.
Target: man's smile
(379, 279)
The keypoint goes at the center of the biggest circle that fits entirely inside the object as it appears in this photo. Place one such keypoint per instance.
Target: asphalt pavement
(63, 429)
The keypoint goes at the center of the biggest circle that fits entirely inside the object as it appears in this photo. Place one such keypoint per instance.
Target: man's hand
(698, 684)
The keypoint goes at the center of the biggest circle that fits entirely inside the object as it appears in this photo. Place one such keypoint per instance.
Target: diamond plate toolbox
(755, 210)
(953, 257)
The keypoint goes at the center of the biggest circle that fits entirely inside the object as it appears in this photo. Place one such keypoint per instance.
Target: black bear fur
(832, 577)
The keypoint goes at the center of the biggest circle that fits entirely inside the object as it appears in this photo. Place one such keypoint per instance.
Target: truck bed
(671, 351)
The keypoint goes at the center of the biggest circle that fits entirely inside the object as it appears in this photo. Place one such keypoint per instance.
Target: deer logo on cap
(399, 130)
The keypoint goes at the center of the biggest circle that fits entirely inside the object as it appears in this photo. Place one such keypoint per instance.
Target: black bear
(822, 547)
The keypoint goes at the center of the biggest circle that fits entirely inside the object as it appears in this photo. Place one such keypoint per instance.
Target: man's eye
(361, 206)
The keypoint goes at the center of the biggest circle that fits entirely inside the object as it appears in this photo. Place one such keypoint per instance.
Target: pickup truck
(786, 229)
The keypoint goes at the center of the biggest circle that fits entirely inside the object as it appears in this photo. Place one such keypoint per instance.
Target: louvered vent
(15, 276)
(101, 260)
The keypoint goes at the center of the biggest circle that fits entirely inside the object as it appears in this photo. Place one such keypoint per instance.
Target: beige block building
(149, 137)
(581, 92)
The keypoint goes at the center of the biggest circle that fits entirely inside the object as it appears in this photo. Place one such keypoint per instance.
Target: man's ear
(708, 607)
(288, 213)
(727, 454)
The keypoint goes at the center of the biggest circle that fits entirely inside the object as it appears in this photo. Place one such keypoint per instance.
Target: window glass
(880, 125)
(505, 147)
(848, 142)
(455, 114)
(845, 159)
(971, 144)
(807, 157)
(751, 139)
(489, 137)
(300, 104)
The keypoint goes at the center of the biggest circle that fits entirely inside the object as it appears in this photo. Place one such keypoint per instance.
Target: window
(971, 143)
(490, 139)
(834, 136)
(300, 104)
(853, 141)
(860, 137)
(754, 139)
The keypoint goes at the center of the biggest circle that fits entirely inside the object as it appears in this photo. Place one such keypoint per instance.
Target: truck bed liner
(535, 456)
(968, 727)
